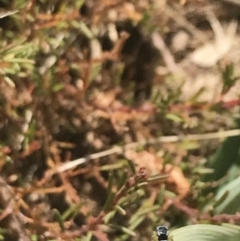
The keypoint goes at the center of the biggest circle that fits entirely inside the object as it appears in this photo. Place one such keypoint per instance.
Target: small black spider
(162, 233)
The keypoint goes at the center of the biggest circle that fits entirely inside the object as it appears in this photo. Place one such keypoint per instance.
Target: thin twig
(163, 139)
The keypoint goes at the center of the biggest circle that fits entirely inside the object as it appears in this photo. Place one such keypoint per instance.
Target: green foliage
(229, 78)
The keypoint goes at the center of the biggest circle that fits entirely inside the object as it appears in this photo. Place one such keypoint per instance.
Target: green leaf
(72, 211)
(113, 166)
(229, 78)
(34, 237)
(220, 200)
(174, 118)
(123, 229)
(109, 201)
(57, 87)
(88, 237)
(59, 219)
(225, 157)
(158, 177)
(205, 232)
(110, 182)
(122, 180)
(230, 204)
(120, 210)
(96, 68)
(85, 30)
(132, 166)
(143, 212)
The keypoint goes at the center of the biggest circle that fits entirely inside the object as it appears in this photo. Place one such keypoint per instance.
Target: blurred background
(118, 116)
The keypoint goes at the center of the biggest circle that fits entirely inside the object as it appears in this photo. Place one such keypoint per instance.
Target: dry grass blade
(7, 13)
(164, 139)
